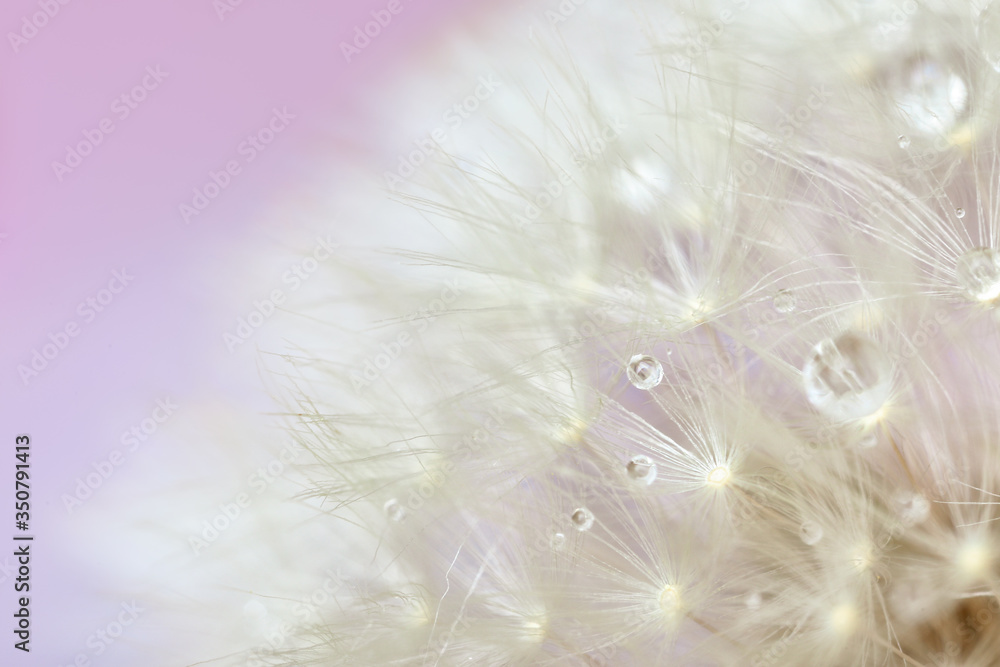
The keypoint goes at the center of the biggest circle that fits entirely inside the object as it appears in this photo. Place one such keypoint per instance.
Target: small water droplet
(753, 601)
(557, 541)
(904, 141)
(394, 510)
(847, 377)
(978, 273)
(582, 519)
(642, 469)
(784, 301)
(988, 34)
(960, 212)
(931, 96)
(644, 372)
(810, 532)
(912, 508)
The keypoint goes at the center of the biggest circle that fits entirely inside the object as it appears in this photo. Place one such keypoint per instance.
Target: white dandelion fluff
(702, 366)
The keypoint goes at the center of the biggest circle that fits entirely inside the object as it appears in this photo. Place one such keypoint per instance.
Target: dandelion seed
(718, 476)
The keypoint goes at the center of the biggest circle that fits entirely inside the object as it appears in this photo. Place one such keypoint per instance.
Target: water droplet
(931, 96)
(784, 301)
(582, 519)
(394, 510)
(868, 440)
(557, 541)
(912, 508)
(988, 34)
(753, 601)
(960, 212)
(904, 141)
(642, 469)
(644, 372)
(847, 377)
(810, 532)
(978, 273)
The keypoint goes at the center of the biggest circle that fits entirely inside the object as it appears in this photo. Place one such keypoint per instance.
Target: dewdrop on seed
(642, 469)
(583, 519)
(978, 273)
(644, 372)
(931, 96)
(847, 377)
(784, 301)
(810, 532)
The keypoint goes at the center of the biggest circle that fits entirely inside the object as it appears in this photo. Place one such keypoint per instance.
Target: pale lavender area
(161, 335)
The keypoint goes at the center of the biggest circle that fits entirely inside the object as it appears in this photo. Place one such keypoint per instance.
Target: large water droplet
(670, 600)
(642, 469)
(582, 519)
(978, 273)
(784, 301)
(644, 371)
(847, 377)
(810, 532)
(988, 34)
(931, 96)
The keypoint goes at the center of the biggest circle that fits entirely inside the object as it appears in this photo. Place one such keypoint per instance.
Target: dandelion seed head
(974, 559)
(718, 476)
(670, 601)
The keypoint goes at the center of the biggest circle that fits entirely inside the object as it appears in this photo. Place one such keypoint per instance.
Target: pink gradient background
(162, 335)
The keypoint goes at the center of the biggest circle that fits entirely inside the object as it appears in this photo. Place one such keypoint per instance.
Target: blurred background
(169, 185)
